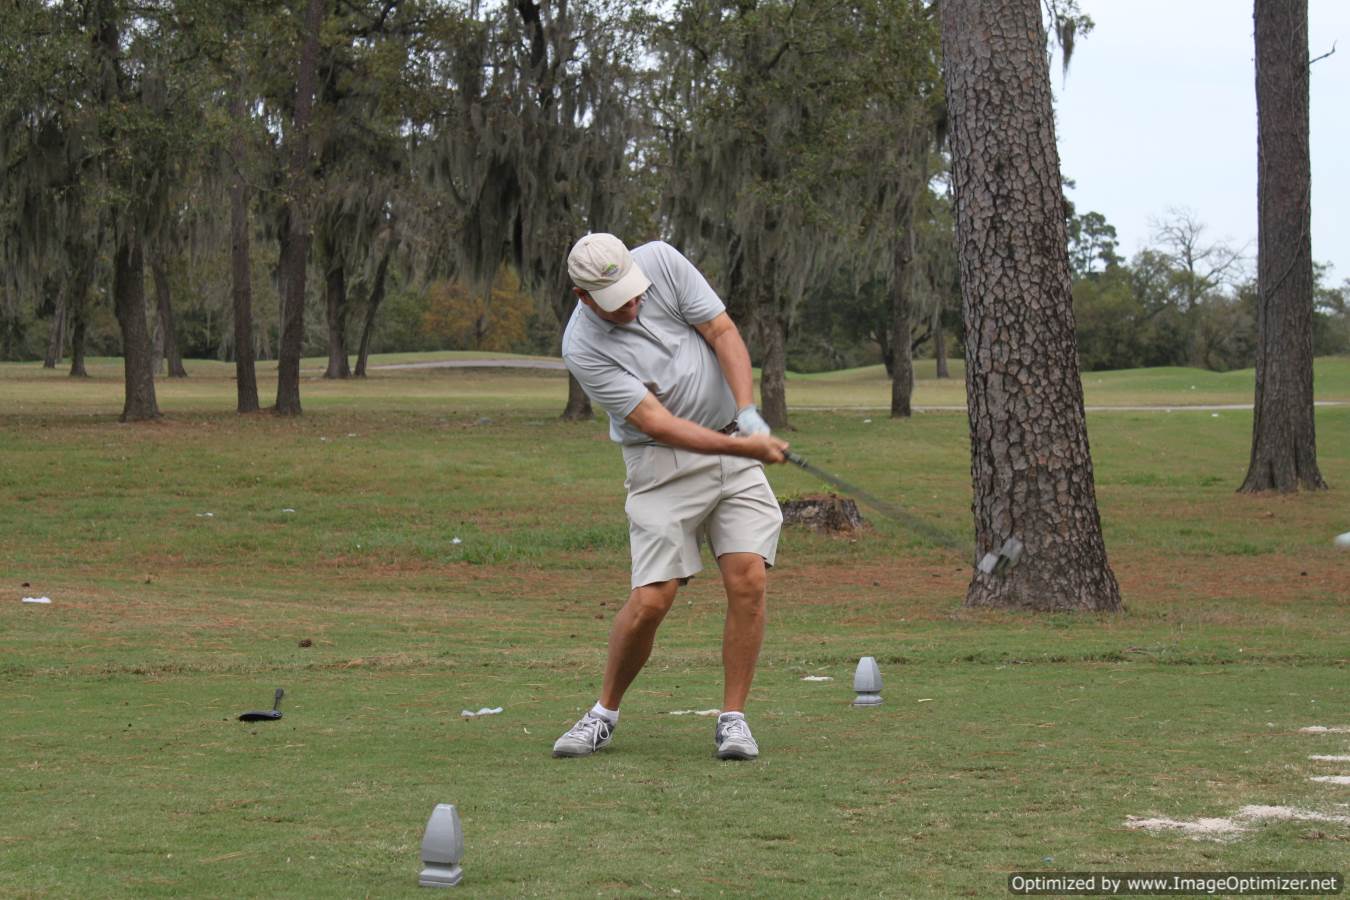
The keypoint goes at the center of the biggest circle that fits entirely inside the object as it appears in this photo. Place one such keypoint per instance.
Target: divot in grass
(1323, 729)
(1331, 779)
(1322, 758)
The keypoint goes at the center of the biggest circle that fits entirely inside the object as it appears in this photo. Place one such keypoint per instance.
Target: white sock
(609, 715)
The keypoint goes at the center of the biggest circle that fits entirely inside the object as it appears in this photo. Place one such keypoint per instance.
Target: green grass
(125, 773)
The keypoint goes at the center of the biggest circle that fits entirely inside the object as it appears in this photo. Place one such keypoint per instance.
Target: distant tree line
(253, 180)
(247, 180)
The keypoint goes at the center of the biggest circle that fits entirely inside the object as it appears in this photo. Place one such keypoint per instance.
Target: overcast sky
(1159, 111)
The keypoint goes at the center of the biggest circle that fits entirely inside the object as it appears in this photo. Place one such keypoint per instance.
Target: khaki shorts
(677, 498)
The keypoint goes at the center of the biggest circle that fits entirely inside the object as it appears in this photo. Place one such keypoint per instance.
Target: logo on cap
(610, 269)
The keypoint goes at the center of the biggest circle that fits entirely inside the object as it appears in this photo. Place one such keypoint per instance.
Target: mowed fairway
(446, 543)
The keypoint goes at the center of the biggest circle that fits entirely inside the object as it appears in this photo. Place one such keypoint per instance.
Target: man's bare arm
(654, 420)
(725, 339)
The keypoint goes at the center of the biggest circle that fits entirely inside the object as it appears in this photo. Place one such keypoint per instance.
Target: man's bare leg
(632, 635)
(744, 580)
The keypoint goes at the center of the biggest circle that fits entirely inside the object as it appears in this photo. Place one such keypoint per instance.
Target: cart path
(486, 363)
(557, 364)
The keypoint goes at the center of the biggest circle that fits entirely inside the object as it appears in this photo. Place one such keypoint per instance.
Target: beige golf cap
(601, 266)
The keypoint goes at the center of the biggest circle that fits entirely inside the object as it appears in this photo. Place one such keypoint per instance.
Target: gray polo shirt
(661, 352)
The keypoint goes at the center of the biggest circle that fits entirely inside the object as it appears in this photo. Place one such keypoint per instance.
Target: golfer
(652, 344)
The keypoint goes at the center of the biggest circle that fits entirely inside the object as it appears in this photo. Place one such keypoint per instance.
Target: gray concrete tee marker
(867, 682)
(442, 848)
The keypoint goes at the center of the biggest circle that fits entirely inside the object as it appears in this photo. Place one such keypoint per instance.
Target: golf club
(262, 715)
(993, 563)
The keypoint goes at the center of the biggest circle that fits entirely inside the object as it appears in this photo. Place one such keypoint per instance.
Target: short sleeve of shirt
(697, 301)
(606, 383)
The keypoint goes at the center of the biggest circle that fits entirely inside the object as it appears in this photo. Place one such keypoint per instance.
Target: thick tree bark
(167, 329)
(1284, 439)
(773, 367)
(129, 303)
(1030, 464)
(56, 339)
(297, 221)
(372, 307)
(335, 302)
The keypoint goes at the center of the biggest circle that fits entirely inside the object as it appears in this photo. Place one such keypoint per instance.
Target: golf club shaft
(890, 510)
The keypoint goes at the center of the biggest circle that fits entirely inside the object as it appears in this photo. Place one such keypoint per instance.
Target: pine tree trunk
(1284, 439)
(167, 329)
(56, 340)
(129, 303)
(335, 302)
(773, 368)
(1030, 464)
(297, 221)
(372, 307)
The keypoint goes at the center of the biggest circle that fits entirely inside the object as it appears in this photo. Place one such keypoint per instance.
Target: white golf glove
(749, 421)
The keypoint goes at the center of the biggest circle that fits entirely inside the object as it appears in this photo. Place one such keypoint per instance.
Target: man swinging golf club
(652, 344)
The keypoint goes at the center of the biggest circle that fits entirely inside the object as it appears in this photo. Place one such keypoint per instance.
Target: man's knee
(744, 576)
(651, 602)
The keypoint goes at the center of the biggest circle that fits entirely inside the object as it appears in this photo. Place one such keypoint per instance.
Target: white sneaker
(591, 733)
(734, 740)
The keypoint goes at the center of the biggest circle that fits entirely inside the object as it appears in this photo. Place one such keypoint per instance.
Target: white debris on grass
(1223, 828)
(695, 712)
(1323, 729)
(207, 515)
(36, 600)
(817, 678)
(1268, 813)
(1321, 758)
(485, 711)
(1213, 829)
(924, 700)
(456, 541)
(1331, 779)
(288, 509)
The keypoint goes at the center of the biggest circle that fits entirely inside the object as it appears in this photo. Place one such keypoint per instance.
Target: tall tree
(126, 144)
(1284, 440)
(241, 264)
(775, 186)
(1030, 464)
(535, 149)
(299, 191)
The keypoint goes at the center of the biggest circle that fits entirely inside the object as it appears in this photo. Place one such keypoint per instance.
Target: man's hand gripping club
(659, 423)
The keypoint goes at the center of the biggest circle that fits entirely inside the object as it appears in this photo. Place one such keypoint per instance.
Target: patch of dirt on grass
(920, 588)
(1274, 581)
